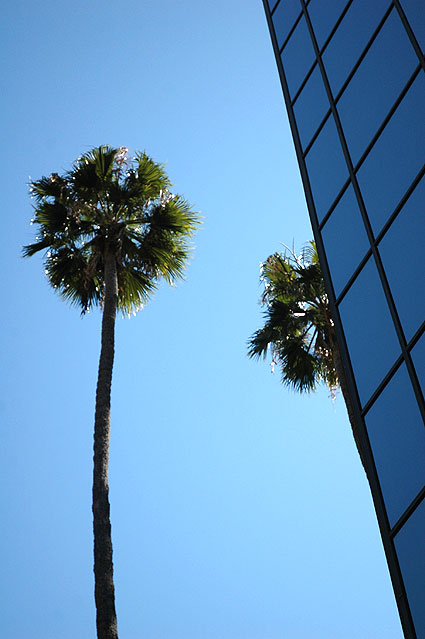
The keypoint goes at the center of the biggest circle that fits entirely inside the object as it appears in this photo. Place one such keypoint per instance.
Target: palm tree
(298, 329)
(110, 230)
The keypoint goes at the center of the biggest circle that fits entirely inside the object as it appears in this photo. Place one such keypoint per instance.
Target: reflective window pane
(369, 331)
(410, 548)
(397, 437)
(350, 39)
(272, 4)
(366, 101)
(323, 15)
(311, 106)
(297, 56)
(326, 167)
(415, 13)
(396, 158)
(418, 356)
(403, 255)
(284, 19)
(345, 240)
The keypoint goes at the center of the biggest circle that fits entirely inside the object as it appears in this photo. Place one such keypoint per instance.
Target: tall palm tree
(110, 230)
(298, 328)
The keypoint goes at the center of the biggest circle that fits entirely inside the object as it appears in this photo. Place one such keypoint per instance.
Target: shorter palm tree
(298, 330)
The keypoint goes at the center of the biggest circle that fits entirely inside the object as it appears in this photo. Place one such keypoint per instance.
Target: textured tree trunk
(106, 620)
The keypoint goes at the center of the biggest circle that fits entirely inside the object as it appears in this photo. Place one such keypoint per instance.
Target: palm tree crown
(298, 329)
(109, 203)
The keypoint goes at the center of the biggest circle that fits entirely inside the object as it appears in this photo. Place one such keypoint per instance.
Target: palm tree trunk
(347, 398)
(106, 620)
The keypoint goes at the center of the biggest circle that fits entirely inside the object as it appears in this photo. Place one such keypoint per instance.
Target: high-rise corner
(353, 78)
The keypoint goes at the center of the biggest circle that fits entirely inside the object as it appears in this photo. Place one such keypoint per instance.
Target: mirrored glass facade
(353, 78)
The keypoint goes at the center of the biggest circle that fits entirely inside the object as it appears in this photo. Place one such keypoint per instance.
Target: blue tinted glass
(297, 56)
(311, 106)
(351, 37)
(376, 85)
(410, 548)
(284, 19)
(418, 356)
(397, 437)
(323, 15)
(345, 240)
(396, 158)
(272, 4)
(369, 331)
(403, 256)
(326, 166)
(415, 13)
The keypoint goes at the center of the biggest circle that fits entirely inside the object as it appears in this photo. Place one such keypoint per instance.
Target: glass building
(353, 78)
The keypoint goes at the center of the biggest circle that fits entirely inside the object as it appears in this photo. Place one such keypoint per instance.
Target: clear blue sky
(239, 510)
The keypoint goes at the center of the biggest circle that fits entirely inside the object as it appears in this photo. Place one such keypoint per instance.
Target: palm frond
(53, 186)
(93, 170)
(147, 178)
(134, 290)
